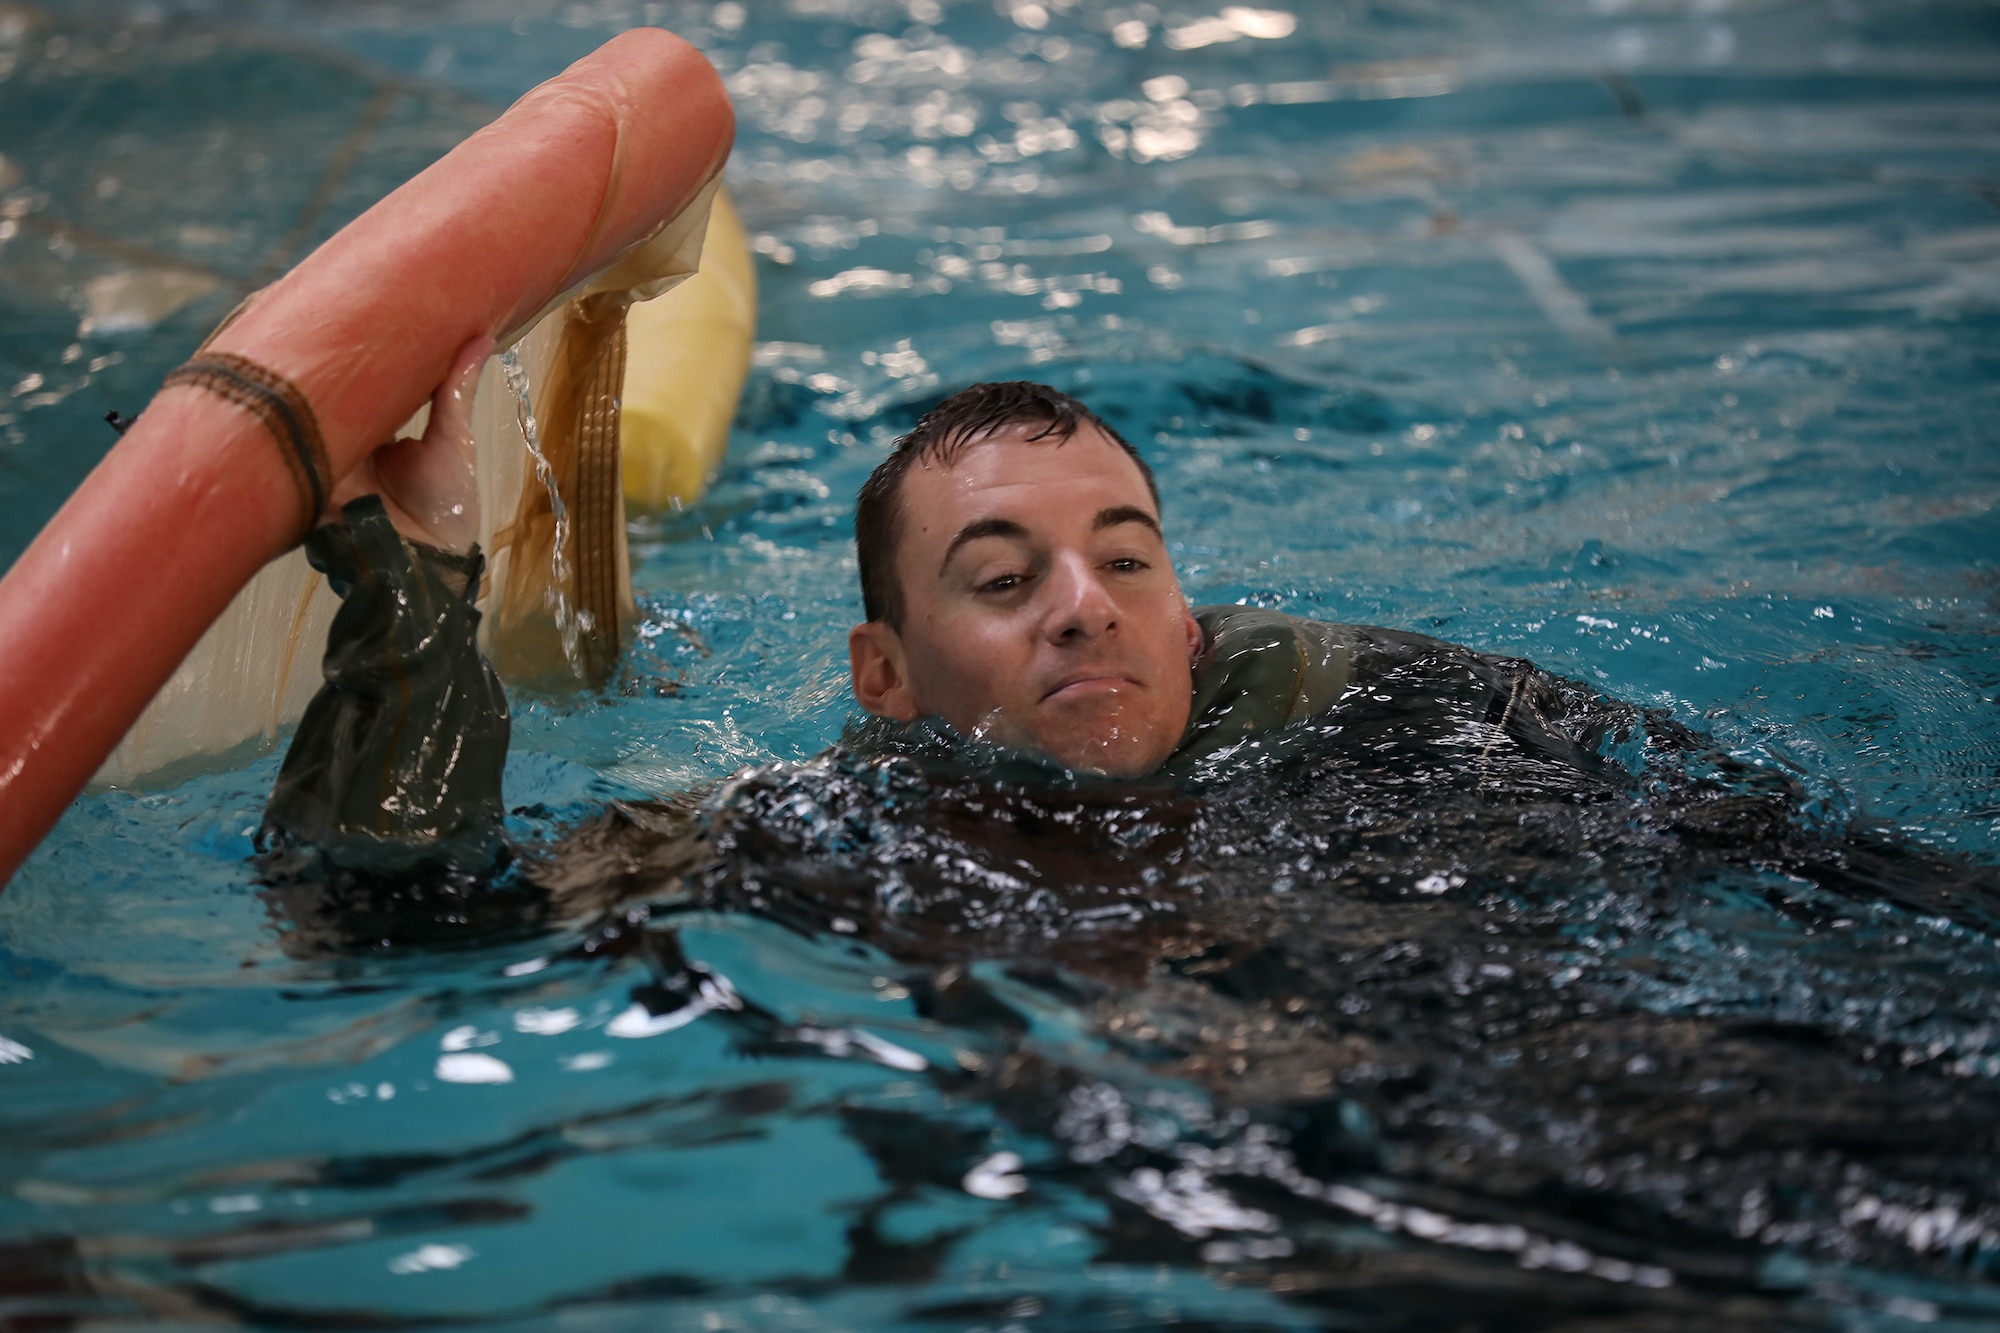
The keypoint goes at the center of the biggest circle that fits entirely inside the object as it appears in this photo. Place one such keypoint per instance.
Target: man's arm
(398, 758)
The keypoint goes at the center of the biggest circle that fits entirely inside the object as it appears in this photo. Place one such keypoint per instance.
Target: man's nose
(1080, 606)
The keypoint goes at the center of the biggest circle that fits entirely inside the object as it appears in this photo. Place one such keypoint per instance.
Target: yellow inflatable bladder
(631, 384)
(689, 354)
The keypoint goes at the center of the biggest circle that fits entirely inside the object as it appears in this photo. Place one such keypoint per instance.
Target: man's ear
(1196, 640)
(878, 672)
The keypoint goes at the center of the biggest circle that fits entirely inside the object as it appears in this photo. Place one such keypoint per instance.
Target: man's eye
(1126, 565)
(1005, 583)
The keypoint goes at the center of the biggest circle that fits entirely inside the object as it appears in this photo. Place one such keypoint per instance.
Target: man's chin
(1115, 751)
(1092, 738)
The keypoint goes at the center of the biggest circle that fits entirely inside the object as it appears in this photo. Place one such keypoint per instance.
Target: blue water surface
(1652, 340)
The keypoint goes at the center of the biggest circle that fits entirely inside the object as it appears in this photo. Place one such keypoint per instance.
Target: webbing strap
(281, 407)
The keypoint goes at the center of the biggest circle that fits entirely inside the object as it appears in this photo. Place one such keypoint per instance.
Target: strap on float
(284, 411)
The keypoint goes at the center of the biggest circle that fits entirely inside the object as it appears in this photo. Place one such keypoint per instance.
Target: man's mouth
(1083, 684)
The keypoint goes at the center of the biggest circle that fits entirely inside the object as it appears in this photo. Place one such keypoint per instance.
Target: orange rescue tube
(123, 581)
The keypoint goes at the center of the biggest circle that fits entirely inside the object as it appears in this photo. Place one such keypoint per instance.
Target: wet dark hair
(943, 434)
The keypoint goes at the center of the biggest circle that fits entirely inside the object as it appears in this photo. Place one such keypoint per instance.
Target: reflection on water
(1649, 342)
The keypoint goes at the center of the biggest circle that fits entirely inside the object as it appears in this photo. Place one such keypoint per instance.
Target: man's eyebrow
(984, 527)
(1112, 517)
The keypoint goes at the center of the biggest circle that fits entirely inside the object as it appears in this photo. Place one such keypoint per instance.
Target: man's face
(1040, 609)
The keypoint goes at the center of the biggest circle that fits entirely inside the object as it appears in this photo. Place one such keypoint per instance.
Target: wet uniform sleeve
(399, 755)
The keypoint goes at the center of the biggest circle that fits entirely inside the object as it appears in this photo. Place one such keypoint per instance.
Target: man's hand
(430, 485)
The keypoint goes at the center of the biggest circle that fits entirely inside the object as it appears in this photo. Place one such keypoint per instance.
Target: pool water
(1653, 342)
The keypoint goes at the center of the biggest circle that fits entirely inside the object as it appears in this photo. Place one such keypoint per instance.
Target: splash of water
(556, 599)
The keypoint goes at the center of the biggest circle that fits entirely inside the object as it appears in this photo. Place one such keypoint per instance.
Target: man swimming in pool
(1018, 593)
